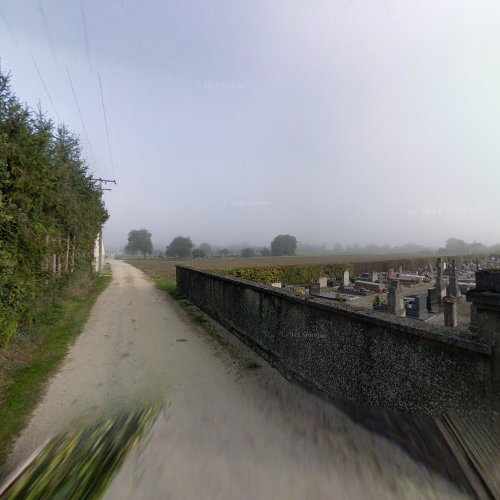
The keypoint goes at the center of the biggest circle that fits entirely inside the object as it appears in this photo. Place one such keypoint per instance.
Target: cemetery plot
(416, 289)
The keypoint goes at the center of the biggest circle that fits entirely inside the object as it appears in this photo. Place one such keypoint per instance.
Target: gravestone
(450, 312)
(369, 276)
(323, 282)
(418, 309)
(314, 289)
(433, 300)
(395, 302)
(345, 280)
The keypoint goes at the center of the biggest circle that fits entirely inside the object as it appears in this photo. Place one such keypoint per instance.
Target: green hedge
(291, 275)
(305, 273)
(50, 208)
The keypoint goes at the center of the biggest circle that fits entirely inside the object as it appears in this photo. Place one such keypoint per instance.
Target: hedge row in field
(292, 275)
(305, 273)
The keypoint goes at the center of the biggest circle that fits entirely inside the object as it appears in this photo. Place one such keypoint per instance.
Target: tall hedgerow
(50, 211)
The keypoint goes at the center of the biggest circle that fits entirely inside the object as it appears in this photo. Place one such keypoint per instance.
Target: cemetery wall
(347, 353)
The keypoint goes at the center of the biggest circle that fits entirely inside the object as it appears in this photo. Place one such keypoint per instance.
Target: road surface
(231, 425)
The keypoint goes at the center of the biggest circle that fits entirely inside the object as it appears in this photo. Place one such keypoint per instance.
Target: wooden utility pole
(100, 254)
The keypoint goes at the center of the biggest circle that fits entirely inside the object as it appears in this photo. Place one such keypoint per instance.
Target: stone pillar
(440, 288)
(454, 288)
(485, 314)
(485, 299)
(395, 300)
(450, 312)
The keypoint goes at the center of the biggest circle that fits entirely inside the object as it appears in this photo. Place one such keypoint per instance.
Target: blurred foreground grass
(81, 464)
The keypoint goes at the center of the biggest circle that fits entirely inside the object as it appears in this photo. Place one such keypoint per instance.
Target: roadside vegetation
(32, 357)
(50, 213)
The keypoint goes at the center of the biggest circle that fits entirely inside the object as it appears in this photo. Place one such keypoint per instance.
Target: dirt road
(231, 427)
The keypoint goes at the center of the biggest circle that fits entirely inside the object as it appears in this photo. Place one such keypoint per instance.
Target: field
(361, 263)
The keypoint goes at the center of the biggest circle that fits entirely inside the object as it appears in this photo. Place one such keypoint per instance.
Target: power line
(106, 124)
(83, 122)
(45, 87)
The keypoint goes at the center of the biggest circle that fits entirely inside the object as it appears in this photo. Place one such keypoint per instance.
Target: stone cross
(439, 282)
(395, 299)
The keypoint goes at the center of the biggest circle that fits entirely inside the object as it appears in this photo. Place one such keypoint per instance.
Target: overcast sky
(369, 121)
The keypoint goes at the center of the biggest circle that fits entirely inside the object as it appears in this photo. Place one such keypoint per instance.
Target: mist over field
(232, 122)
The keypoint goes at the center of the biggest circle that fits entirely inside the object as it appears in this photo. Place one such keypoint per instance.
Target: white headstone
(345, 279)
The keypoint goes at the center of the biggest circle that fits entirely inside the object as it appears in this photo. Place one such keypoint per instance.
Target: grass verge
(32, 357)
(167, 286)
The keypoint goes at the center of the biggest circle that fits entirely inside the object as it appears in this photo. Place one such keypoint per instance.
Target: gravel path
(231, 426)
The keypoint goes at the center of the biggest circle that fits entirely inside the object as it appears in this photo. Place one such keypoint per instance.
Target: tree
(180, 247)
(225, 252)
(248, 252)
(265, 252)
(207, 249)
(139, 241)
(454, 245)
(198, 253)
(284, 244)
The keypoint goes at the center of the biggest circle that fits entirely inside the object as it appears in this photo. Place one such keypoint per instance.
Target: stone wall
(349, 353)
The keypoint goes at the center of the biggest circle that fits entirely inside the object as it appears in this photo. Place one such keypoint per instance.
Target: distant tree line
(182, 247)
(455, 246)
(50, 211)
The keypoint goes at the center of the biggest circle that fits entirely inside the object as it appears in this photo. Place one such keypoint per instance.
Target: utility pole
(100, 257)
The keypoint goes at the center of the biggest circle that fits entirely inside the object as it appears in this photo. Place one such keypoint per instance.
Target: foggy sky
(374, 121)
